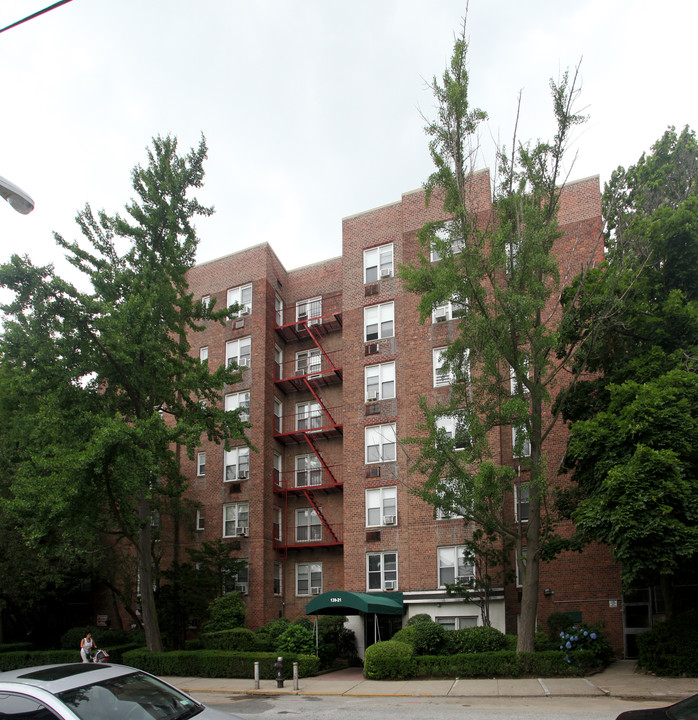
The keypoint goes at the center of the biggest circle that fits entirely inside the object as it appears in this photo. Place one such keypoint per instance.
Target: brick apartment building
(335, 361)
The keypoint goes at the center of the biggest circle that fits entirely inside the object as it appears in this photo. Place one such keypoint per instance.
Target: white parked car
(87, 691)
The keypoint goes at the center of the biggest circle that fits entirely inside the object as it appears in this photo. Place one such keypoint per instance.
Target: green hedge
(219, 663)
(236, 640)
(14, 647)
(670, 648)
(29, 658)
(389, 659)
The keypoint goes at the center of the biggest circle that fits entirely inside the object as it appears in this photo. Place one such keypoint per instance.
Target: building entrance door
(637, 618)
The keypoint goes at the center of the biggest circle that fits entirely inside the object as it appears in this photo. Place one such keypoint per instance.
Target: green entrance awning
(343, 602)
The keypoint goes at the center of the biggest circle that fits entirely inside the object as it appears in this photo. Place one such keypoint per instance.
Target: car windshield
(684, 710)
(136, 696)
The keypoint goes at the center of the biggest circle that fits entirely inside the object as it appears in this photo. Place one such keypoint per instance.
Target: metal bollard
(256, 676)
(295, 676)
(279, 667)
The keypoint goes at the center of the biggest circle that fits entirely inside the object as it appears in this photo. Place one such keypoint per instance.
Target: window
(278, 587)
(381, 506)
(448, 311)
(518, 387)
(238, 581)
(513, 251)
(278, 524)
(241, 296)
(23, 707)
(309, 309)
(278, 362)
(381, 571)
(238, 351)
(277, 469)
(203, 354)
(520, 560)
(521, 445)
(308, 416)
(449, 426)
(200, 464)
(278, 414)
(279, 308)
(444, 235)
(453, 566)
(378, 263)
(308, 470)
(239, 401)
(308, 362)
(522, 496)
(379, 381)
(444, 375)
(457, 622)
(308, 525)
(379, 321)
(236, 519)
(237, 463)
(446, 491)
(309, 579)
(380, 443)
(200, 520)
(206, 302)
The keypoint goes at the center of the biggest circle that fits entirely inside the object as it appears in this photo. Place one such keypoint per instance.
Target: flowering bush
(588, 638)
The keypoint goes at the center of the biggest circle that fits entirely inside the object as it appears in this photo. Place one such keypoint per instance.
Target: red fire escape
(309, 373)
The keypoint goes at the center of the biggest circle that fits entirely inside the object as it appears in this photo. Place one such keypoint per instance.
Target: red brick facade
(331, 434)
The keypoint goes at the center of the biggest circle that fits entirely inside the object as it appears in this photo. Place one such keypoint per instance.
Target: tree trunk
(529, 594)
(145, 576)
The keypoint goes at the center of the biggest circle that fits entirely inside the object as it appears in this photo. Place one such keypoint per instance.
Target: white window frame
(379, 381)
(279, 362)
(308, 470)
(309, 310)
(450, 559)
(242, 296)
(522, 499)
(238, 458)
(278, 523)
(311, 575)
(201, 464)
(200, 519)
(378, 263)
(526, 446)
(442, 514)
(278, 415)
(448, 311)
(203, 354)
(278, 578)
(278, 469)
(442, 377)
(239, 401)
(308, 526)
(240, 351)
(512, 381)
(382, 318)
(443, 234)
(381, 504)
(376, 570)
(457, 622)
(309, 416)
(236, 516)
(309, 362)
(384, 439)
(279, 309)
(448, 423)
(206, 301)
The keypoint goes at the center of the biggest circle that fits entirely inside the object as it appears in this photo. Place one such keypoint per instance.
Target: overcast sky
(312, 109)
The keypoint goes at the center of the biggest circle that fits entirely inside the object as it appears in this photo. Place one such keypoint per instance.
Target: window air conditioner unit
(241, 588)
(389, 584)
(388, 519)
(314, 590)
(441, 317)
(243, 475)
(244, 361)
(386, 272)
(372, 396)
(302, 316)
(244, 311)
(242, 532)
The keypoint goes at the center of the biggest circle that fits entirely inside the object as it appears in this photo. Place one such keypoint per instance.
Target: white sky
(311, 109)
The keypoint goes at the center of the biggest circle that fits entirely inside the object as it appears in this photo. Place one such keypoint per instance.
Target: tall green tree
(115, 391)
(634, 434)
(502, 271)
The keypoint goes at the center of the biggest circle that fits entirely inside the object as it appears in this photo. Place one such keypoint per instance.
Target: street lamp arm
(17, 198)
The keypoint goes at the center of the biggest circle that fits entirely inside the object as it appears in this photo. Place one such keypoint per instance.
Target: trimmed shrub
(15, 647)
(510, 641)
(237, 639)
(406, 635)
(670, 647)
(389, 659)
(556, 623)
(226, 612)
(476, 640)
(304, 621)
(70, 640)
(542, 642)
(219, 663)
(29, 658)
(266, 636)
(296, 639)
(418, 618)
(430, 638)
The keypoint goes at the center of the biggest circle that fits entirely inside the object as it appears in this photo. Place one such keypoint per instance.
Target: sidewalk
(618, 680)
